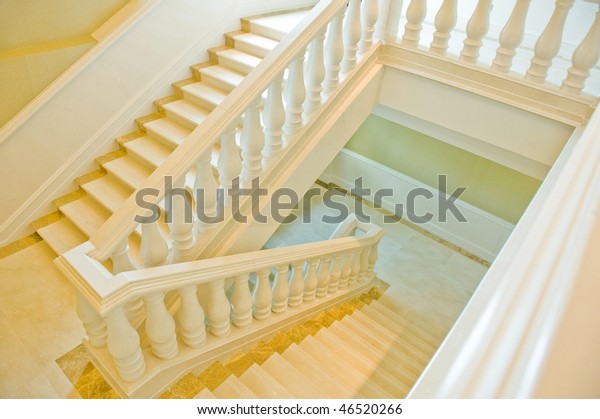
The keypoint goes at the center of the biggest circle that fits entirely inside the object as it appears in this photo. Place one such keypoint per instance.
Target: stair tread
(291, 378)
(256, 44)
(233, 388)
(263, 385)
(150, 150)
(108, 191)
(208, 93)
(205, 394)
(241, 60)
(62, 235)
(226, 75)
(185, 109)
(86, 214)
(129, 171)
(168, 130)
(276, 26)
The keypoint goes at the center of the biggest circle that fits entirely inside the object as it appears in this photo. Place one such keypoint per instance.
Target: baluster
(191, 317)
(123, 343)
(315, 73)
(252, 142)
(323, 279)
(364, 265)
(478, 25)
(355, 267)
(273, 120)
(218, 309)
(229, 164)
(154, 247)
(388, 22)
(415, 15)
(241, 301)
(296, 285)
(372, 260)
(182, 223)
(205, 189)
(368, 18)
(311, 280)
(345, 271)
(93, 323)
(281, 289)
(122, 263)
(584, 58)
(334, 280)
(334, 52)
(511, 37)
(445, 20)
(351, 36)
(548, 44)
(160, 326)
(294, 95)
(262, 295)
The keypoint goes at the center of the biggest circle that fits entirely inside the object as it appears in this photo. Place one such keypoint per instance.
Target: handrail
(202, 139)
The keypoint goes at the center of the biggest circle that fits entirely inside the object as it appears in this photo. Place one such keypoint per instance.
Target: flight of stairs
(103, 191)
(360, 349)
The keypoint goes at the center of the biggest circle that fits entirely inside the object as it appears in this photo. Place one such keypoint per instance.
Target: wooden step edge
(70, 197)
(212, 53)
(186, 387)
(113, 155)
(245, 21)
(47, 220)
(147, 118)
(181, 83)
(89, 177)
(214, 375)
(134, 135)
(229, 38)
(160, 103)
(197, 67)
(19, 244)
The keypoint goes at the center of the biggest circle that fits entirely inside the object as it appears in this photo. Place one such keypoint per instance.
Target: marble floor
(429, 281)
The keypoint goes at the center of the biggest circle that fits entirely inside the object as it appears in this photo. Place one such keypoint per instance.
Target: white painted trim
(483, 235)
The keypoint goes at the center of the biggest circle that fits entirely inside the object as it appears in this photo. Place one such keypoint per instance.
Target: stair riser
(200, 101)
(234, 65)
(189, 124)
(216, 82)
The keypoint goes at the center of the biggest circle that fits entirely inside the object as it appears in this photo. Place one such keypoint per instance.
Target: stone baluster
(355, 267)
(477, 27)
(445, 20)
(415, 15)
(281, 289)
(351, 35)
(334, 279)
(229, 164)
(315, 73)
(182, 222)
(584, 58)
(218, 309)
(372, 261)
(345, 270)
(296, 284)
(334, 52)
(241, 302)
(273, 120)
(311, 280)
(122, 263)
(123, 343)
(263, 295)
(252, 143)
(160, 327)
(511, 37)
(154, 247)
(324, 275)
(364, 265)
(190, 317)
(368, 18)
(294, 95)
(93, 323)
(549, 42)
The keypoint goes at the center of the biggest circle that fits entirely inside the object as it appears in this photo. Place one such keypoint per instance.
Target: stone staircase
(102, 192)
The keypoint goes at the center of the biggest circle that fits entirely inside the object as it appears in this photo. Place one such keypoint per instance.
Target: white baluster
(182, 224)
(548, 44)
(296, 284)
(241, 302)
(229, 164)
(351, 36)
(252, 143)
(323, 278)
(262, 295)
(445, 20)
(364, 265)
(368, 18)
(355, 267)
(160, 327)
(372, 261)
(122, 263)
(294, 95)
(311, 280)
(154, 247)
(190, 318)
(281, 289)
(334, 279)
(476, 29)
(334, 52)
(218, 309)
(205, 192)
(511, 37)
(584, 58)
(388, 22)
(93, 323)
(415, 15)
(123, 343)
(273, 120)
(315, 73)
(345, 270)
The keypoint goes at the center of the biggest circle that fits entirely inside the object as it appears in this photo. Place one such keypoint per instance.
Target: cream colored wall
(490, 186)
(39, 40)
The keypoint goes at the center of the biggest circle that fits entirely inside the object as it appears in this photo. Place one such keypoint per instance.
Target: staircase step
(205, 394)
(237, 60)
(108, 191)
(221, 77)
(233, 388)
(167, 130)
(203, 94)
(186, 113)
(86, 214)
(292, 379)
(313, 371)
(253, 44)
(263, 385)
(151, 151)
(129, 171)
(62, 235)
(276, 26)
